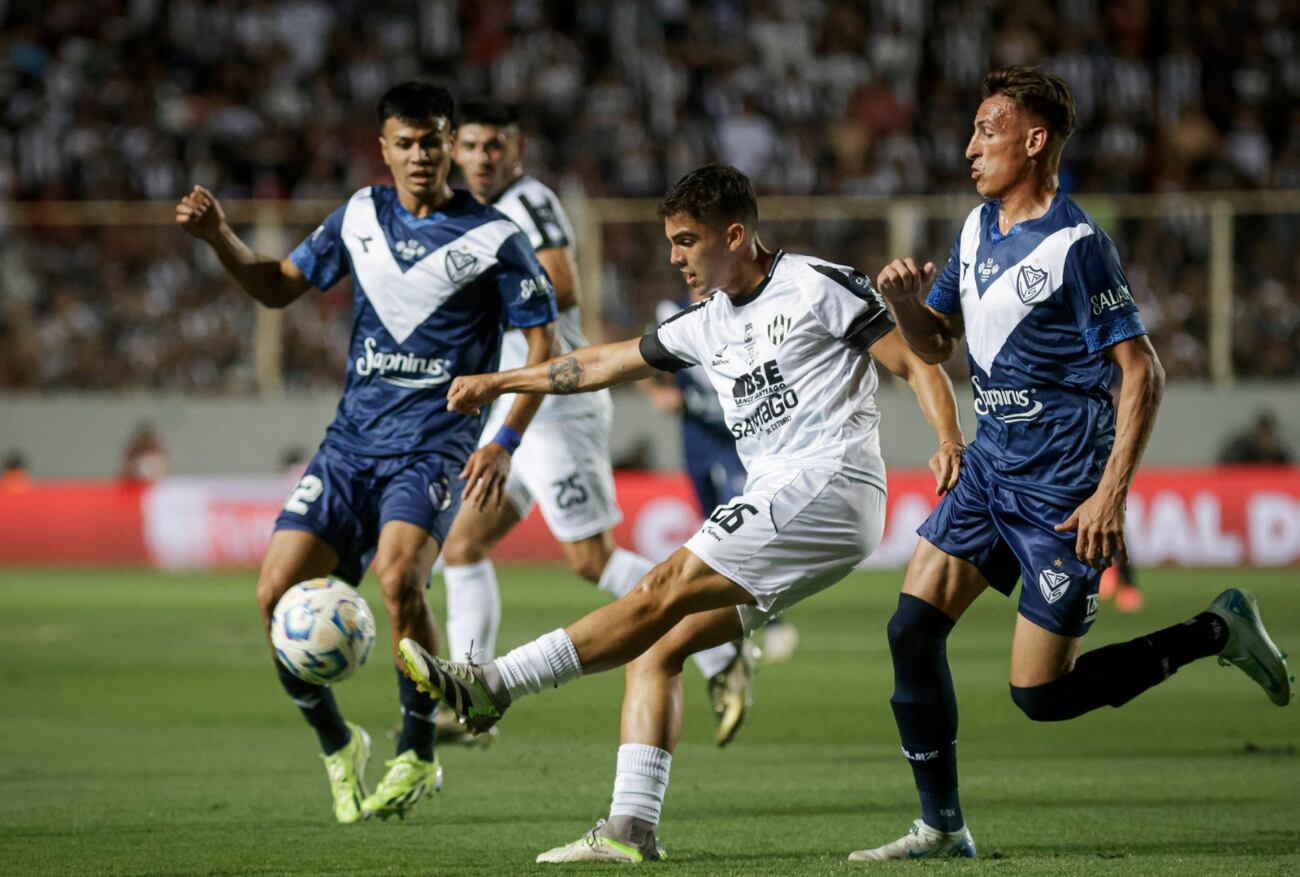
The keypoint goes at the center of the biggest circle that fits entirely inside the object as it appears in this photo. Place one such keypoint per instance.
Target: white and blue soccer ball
(322, 631)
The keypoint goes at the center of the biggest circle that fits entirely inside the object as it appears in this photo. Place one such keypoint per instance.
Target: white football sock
(547, 662)
(473, 611)
(641, 781)
(623, 570)
(713, 661)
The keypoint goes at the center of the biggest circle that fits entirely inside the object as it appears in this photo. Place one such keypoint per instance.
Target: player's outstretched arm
(1099, 521)
(582, 371)
(938, 403)
(932, 335)
(486, 470)
(273, 282)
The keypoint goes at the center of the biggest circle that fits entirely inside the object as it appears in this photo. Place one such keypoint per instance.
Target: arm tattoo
(565, 375)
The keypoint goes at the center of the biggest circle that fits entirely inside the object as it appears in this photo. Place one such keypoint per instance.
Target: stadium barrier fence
(1194, 517)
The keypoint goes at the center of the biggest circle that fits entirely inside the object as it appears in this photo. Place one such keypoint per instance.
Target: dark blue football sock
(925, 707)
(1115, 674)
(418, 713)
(319, 709)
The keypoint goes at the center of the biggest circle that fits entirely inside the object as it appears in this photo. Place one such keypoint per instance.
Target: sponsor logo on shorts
(1053, 584)
(1008, 404)
(440, 493)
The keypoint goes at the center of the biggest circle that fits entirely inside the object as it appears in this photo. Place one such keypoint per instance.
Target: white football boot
(597, 846)
(922, 842)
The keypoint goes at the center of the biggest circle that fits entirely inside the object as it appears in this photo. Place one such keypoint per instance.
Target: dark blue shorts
(346, 499)
(1008, 535)
(713, 465)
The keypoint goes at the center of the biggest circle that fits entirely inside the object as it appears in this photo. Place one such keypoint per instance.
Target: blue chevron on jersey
(431, 298)
(1040, 303)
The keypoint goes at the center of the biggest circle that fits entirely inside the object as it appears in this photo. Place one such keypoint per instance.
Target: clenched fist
(471, 392)
(901, 280)
(199, 213)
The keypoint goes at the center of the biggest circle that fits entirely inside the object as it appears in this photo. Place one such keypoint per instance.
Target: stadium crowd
(275, 100)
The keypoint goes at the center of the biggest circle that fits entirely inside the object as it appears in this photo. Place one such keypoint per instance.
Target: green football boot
(407, 781)
(347, 769)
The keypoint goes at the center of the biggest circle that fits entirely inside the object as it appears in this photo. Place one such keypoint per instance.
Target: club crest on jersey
(777, 329)
(987, 269)
(1030, 283)
(460, 264)
(1053, 584)
(411, 251)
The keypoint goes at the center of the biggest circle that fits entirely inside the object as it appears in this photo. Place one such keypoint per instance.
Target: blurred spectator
(14, 477)
(145, 457)
(140, 100)
(1260, 445)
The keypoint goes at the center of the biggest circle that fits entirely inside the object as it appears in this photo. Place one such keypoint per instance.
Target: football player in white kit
(785, 341)
(563, 464)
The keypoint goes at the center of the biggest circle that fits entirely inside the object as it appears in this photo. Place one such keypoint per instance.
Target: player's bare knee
(658, 590)
(462, 551)
(401, 587)
(271, 585)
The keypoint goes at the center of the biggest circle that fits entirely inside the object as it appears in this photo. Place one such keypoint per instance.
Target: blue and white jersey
(1041, 304)
(431, 299)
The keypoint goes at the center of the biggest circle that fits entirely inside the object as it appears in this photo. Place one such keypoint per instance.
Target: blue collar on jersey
(996, 236)
(455, 204)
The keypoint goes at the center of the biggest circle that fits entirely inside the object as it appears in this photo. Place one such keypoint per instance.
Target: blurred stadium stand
(844, 111)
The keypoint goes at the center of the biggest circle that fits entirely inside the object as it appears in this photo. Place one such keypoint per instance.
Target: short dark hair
(1044, 94)
(416, 101)
(486, 111)
(715, 195)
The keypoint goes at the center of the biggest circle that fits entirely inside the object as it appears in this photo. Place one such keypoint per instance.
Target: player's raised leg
(727, 667)
(606, 638)
(937, 590)
(403, 561)
(651, 727)
(294, 556)
(1049, 684)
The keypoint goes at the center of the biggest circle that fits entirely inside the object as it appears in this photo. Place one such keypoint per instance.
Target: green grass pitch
(142, 732)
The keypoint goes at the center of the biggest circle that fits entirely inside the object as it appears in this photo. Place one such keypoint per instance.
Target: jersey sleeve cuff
(655, 354)
(945, 301)
(1109, 334)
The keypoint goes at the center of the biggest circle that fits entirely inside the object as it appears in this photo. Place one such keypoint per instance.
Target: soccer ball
(322, 631)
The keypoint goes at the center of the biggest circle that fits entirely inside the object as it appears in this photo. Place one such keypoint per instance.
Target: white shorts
(790, 535)
(563, 466)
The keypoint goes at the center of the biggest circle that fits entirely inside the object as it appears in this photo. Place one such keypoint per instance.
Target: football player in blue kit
(436, 278)
(1036, 288)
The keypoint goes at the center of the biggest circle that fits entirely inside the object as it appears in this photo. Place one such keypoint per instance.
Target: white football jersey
(788, 362)
(537, 211)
